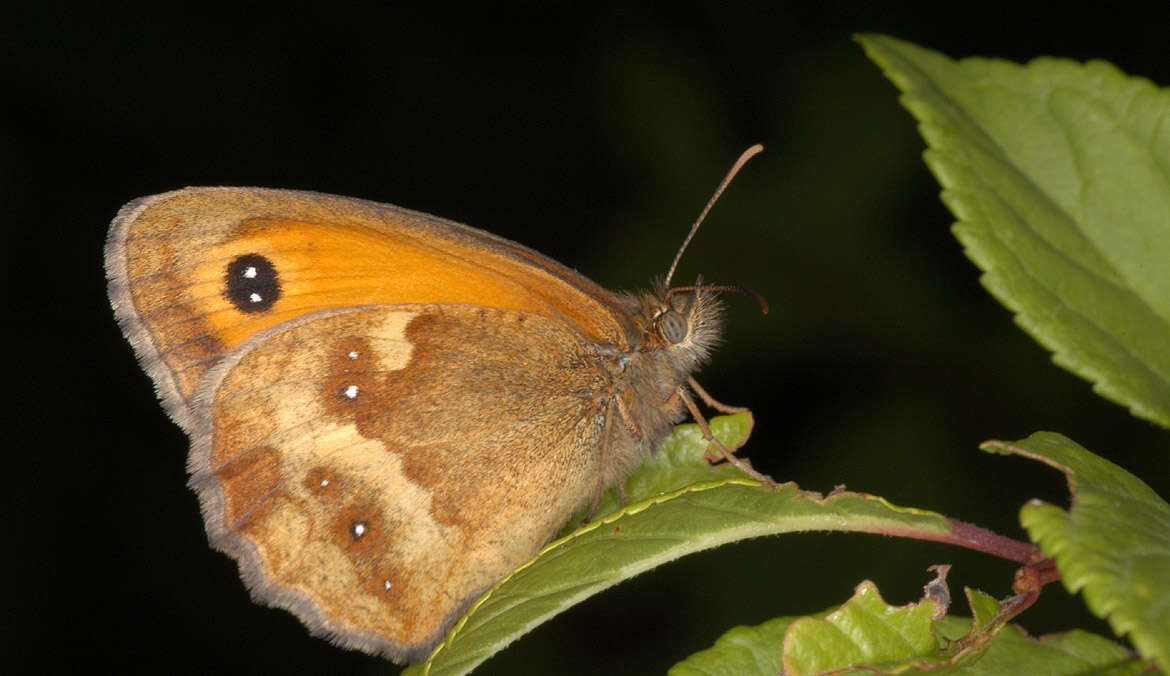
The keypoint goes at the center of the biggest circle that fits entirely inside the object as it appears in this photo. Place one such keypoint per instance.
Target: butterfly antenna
(747, 155)
(737, 288)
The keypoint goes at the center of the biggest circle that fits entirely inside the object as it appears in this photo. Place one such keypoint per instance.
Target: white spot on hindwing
(351, 391)
(250, 272)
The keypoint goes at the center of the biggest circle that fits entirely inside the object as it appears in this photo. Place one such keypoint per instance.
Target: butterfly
(389, 411)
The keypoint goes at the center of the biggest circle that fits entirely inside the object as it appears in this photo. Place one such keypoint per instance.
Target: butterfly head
(685, 321)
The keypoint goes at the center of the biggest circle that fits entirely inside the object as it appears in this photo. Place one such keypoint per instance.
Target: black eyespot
(672, 326)
(251, 284)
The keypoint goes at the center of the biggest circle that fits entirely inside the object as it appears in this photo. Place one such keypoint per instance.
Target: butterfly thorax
(671, 337)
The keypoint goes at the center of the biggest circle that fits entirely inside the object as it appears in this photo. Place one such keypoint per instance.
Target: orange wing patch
(205, 269)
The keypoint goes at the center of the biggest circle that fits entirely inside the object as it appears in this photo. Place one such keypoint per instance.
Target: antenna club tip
(759, 299)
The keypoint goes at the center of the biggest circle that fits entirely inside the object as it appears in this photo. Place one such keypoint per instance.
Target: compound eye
(672, 326)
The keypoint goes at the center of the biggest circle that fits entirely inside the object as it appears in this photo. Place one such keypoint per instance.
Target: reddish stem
(980, 539)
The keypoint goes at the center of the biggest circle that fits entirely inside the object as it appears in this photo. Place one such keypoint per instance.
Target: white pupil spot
(324, 483)
(250, 272)
(388, 585)
(359, 529)
(255, 297)
(351, 391)
(353, 354)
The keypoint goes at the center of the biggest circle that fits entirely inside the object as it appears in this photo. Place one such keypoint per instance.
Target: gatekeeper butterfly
(389, 411)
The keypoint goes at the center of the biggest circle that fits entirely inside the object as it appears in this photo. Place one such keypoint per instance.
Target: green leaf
(1114, 543)
(678, 504)
(984, 609)
(868, 636)
(1076, 653)
(865, 631)
(1059, 176)
(742, 650)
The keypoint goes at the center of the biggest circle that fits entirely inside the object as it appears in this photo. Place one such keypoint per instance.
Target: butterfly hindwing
(374, 504)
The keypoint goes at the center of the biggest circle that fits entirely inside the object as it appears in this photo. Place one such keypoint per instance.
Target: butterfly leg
(722, 408)
(741, 463)
(600, 489)
(597, 499)
(714, 403)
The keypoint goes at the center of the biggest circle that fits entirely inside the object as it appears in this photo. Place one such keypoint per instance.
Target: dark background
(595, 136)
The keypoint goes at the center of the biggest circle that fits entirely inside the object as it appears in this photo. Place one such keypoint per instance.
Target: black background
(594, 135)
